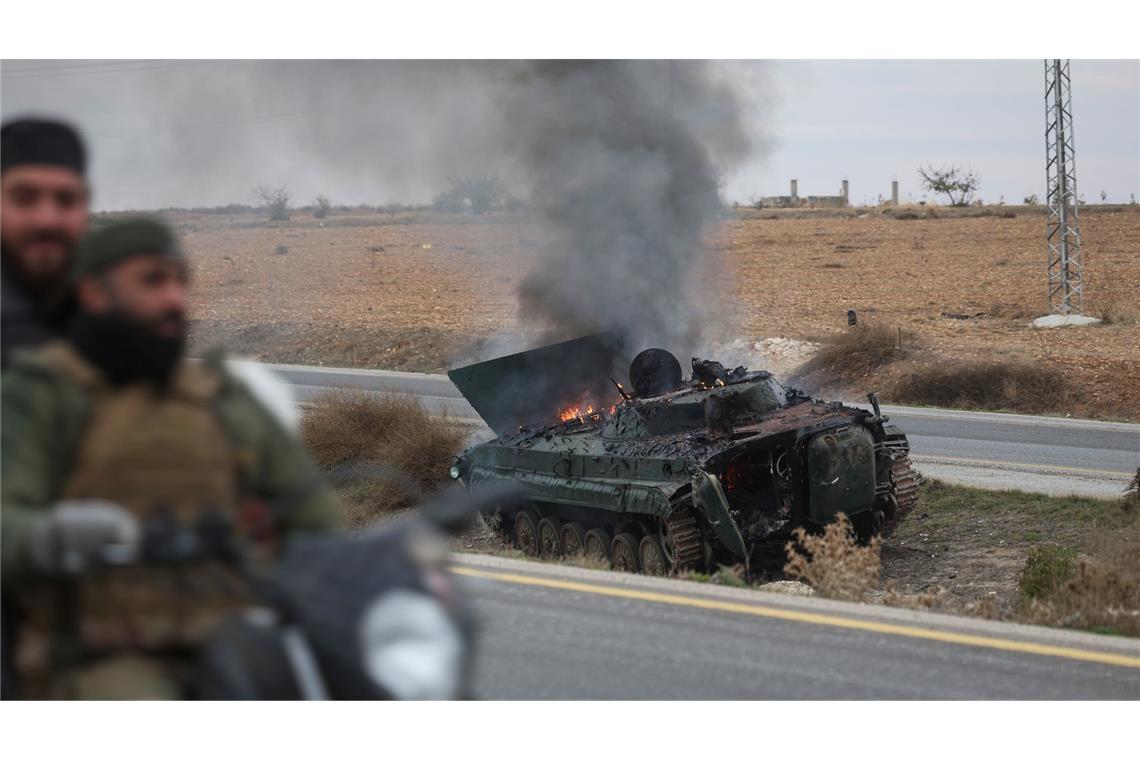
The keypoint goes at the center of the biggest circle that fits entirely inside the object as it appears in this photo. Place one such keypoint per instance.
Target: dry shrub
(726, 575)
(986, 607)
(833, 562)
(1010, 385)
(1113, 308)
(1099, 596)
(852, 354)
(384, 451)
(1101, 592)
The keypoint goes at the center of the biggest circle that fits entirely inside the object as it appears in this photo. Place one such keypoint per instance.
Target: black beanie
(40, 141)
(119, 241)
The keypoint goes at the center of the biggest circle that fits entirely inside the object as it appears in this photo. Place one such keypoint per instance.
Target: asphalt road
(559, 632)
(1043, 454)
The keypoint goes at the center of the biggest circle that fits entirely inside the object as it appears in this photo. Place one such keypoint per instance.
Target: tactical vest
(154, 453)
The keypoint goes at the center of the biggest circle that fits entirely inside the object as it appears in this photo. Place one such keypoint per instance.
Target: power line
(64, 65)
(172, 65)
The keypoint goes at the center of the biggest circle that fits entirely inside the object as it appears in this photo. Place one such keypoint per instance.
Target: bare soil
(417, 290)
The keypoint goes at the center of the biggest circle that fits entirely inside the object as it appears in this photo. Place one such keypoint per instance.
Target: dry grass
(851, 355)
(726, 575)
(1100, 592)
(1114, 307)
(833, 562)
(1016, 312)
(928, 599)
(1096, 589)
(1001, 385)
(385, 452)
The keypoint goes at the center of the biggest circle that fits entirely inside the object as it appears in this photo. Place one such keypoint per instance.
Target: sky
(203, 133)
(874, 121)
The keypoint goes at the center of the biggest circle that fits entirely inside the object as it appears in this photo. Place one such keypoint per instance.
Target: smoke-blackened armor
(203, 443)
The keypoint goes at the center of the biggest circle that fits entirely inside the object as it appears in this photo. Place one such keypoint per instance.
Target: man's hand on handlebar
(77, 534)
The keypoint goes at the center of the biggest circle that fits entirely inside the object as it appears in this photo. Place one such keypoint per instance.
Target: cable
(104, 71)
(79, 66)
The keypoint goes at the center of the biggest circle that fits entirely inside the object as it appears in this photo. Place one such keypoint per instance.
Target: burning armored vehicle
(673, 474)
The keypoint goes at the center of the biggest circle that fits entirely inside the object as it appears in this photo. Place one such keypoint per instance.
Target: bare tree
(484, 193)
(957, 184)
(321, 206)
(480, 193)
(275, 200)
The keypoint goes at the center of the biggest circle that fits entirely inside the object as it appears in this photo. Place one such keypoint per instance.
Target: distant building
(795, 200)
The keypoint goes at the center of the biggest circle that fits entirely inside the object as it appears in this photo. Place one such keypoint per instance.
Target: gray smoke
(623, 161)
(620, 160)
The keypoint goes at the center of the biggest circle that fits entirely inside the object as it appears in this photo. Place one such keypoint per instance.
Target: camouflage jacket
(45, 419)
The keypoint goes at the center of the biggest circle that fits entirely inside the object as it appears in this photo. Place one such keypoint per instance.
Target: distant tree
(484, 193)
(1103, 197)
(957, 184)
(321, 206)
(1031, 199)
(449, 202)
(480, 194)
(275, 200)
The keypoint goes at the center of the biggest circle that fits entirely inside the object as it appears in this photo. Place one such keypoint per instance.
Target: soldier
(43, 213)
(113, 427)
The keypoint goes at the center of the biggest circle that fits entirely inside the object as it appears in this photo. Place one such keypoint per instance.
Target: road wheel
(597, 545)
(652, 557)
(623, 551)
(526, 532)
(549, 540)
(573, 539)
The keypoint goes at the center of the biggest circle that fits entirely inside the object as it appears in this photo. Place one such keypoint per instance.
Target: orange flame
(577, 414)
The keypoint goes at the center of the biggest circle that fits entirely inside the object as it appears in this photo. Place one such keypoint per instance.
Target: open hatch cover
(531, 386)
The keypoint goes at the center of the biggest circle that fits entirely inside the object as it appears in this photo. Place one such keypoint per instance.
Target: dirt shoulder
(971, 545)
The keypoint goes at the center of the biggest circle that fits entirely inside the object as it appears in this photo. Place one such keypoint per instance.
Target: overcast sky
(204, 133)
(874, 121)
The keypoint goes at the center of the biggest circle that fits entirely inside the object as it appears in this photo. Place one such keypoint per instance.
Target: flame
(576, 413)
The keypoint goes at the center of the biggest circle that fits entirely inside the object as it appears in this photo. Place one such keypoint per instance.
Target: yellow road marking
(934, 459)
(834, 621)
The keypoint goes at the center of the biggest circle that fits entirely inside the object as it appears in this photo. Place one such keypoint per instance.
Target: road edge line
(894, 629)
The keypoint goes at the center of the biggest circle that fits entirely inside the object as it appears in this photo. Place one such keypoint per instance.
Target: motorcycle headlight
(411, 647)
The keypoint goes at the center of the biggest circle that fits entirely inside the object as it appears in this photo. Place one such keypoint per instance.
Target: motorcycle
(368, 616)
